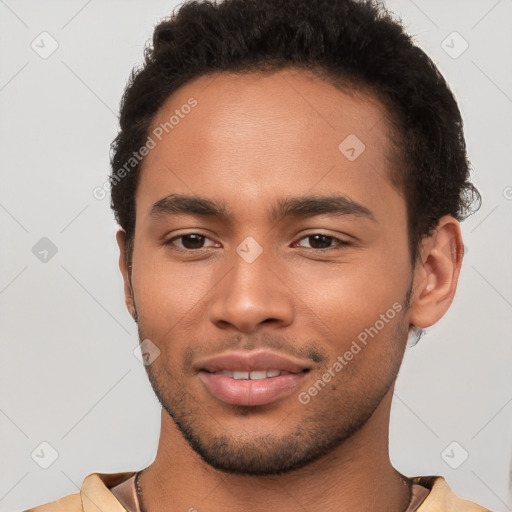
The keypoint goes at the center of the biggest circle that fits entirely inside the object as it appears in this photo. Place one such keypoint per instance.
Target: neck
(356, 476)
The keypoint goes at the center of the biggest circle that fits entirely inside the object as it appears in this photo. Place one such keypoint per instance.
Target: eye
(324, 241)
(189, 241)
(317, 241)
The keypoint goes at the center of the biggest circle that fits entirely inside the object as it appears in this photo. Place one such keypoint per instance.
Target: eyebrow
(301, 207)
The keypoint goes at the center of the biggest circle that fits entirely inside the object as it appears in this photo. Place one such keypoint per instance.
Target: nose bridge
(251, 293)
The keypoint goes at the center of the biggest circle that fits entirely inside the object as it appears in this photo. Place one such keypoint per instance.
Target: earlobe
(126, 273)
(437, 273)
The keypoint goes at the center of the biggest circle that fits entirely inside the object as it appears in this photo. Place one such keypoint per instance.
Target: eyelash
(341, 243)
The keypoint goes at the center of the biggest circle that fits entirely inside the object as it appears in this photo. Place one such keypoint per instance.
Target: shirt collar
(95, 492)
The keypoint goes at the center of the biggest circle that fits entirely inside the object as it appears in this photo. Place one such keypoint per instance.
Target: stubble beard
(336, 414)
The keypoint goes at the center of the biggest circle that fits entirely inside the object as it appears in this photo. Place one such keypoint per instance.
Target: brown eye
(193, 241)
(320, 242)
(189, 241)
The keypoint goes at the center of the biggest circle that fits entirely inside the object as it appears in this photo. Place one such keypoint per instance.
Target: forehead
(251, 138)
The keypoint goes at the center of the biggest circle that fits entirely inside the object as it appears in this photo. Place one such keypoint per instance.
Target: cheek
(164, 292)
(172, 298)
(346, 298)
(358, 316)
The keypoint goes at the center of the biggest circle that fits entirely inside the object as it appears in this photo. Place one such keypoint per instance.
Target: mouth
(251, 378)
(254, 375)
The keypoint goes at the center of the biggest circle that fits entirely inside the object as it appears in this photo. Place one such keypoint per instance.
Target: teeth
(258, 375)
(254, 375)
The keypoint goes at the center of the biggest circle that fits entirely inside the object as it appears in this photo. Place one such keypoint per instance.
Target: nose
(252, 294)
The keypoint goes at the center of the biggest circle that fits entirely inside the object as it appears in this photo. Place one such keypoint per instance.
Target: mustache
(285, 346)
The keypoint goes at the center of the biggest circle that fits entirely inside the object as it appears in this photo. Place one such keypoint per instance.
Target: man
(289, 179)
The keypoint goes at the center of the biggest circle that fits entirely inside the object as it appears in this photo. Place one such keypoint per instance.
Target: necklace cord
(138, 488)
(140, 499)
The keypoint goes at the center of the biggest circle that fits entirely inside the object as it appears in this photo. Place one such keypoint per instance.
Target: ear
(126, 273)
(436, 273)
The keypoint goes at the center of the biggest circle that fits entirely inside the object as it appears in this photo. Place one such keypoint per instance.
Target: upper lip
(248, 361)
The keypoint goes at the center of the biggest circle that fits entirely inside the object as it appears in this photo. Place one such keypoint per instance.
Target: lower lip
(250, 392)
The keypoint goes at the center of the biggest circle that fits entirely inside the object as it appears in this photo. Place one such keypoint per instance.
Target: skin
(251, 140)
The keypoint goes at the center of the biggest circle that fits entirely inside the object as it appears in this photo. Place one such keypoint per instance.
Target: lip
(248, 392)
(249, 361)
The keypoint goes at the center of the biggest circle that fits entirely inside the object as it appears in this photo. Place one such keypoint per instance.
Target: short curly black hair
(355, 45)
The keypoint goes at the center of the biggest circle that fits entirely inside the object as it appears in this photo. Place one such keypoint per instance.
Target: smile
(251, 378)
(254, 375)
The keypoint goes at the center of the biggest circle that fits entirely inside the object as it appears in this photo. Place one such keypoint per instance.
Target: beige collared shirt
(115, 492)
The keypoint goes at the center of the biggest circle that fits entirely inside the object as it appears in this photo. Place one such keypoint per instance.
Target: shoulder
(95, 492)
(71, 503)
(441, 498)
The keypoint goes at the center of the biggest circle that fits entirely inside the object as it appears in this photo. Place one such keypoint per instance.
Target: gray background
(68, 374)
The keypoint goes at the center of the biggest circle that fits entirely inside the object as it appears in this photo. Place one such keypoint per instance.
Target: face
(270, 267)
